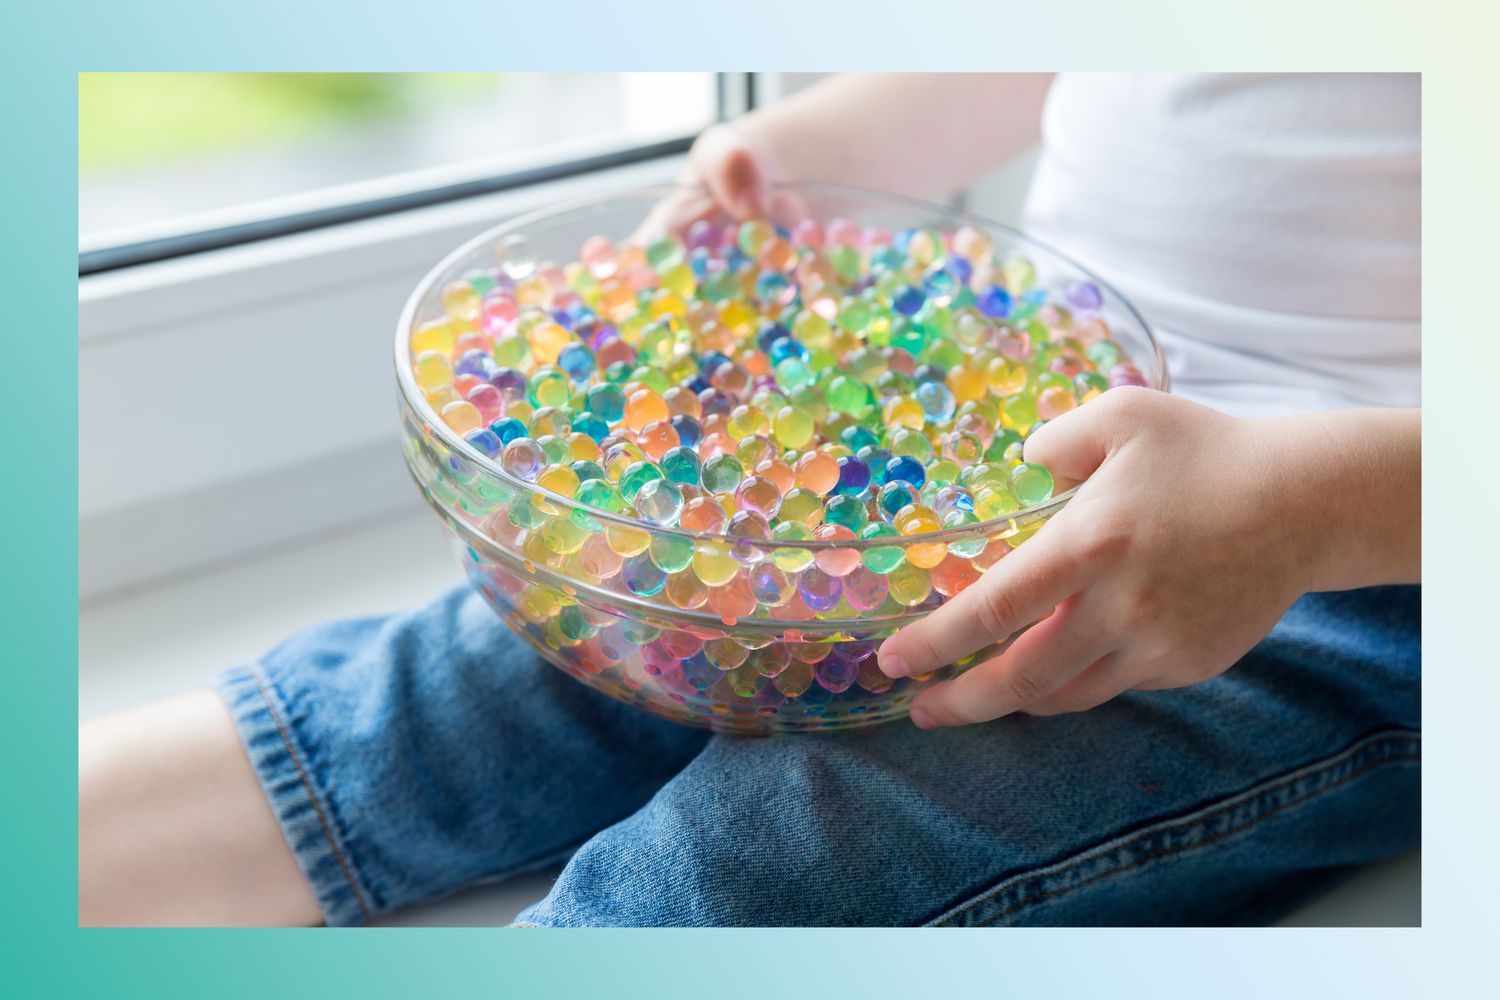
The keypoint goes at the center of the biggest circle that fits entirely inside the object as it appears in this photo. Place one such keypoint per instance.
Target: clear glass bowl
(737, 660)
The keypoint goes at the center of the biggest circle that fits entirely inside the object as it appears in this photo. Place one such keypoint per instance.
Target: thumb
(735, 175)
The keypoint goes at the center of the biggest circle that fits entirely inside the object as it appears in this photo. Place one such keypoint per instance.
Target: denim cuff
(311, 829)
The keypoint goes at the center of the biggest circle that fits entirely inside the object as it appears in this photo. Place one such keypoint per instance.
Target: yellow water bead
(434, 335)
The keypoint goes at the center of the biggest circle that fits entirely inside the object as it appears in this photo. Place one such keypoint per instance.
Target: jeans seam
(1391, 739)
(312, 795)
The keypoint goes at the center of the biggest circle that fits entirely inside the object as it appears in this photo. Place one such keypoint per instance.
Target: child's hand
(730, 171)
(1192, 535)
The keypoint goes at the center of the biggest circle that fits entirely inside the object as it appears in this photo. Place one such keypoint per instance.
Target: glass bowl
(739, 635)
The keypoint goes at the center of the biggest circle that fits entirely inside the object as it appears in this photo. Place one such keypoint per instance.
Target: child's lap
(443, 763)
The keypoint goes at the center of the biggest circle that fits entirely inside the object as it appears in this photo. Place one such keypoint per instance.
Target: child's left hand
(1193, 534)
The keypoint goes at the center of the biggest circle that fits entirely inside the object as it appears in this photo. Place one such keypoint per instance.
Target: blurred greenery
(133, 119)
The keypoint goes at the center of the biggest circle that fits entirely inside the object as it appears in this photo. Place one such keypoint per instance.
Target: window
(175, 162)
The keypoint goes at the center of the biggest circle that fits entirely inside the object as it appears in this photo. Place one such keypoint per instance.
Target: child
(1268, 227)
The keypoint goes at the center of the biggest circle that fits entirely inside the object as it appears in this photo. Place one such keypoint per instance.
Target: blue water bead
(786, 347)
(894, 496)
(562, 318)
(887, 259)
(698, 260)
(767, 335)
(485, 440)
(770, 285)
(782, 231)
(908, 301)
(577, 361)
(901, 240)
(689, 431)
(715, 402)
(939, 283)
(961, 268)
(937, 401)
(606, 401)
(710, 360)
(857, 436)
(735, 258)
(507, 429)
(700, 673)
(476, 362)
(994, 302)
(696, 384)
(854, 477)
(591, 424)
(641, 576)
(904, 469)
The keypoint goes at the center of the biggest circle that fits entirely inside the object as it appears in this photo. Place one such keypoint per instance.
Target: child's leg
(1223, 802)
(409, 756)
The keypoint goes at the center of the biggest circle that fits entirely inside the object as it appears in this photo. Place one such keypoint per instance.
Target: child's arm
(892, 132)
(1191, 537)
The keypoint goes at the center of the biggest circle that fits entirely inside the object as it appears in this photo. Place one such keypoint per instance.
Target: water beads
(824, 384)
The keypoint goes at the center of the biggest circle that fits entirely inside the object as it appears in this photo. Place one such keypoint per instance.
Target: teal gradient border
(42, 953)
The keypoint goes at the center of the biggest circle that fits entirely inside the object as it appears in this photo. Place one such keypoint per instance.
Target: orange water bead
(466, 383)
(547, 339)
(638, 279)
(777, 254)
(714, 444)
(657, 438)
(462, 416)
(616, 300)
(952, 575)
(704, 514)
(473, 341)
(645, 406)
(755, 362)
(967, 383)
(582, 448)
(686, 591)
(817, 471)
(683, 402)
(1054, 401)
(835, 562)
(777, 472)
(733, 601)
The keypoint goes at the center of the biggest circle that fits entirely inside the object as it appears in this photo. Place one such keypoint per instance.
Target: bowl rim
(412, 397)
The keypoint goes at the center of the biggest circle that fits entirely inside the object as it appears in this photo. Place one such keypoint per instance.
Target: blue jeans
(410, 756)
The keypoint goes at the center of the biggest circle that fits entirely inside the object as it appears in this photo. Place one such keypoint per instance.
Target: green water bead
(512, 351)
(850, 396)
(910, 442)
(572, 623)
(635, 476)
(663, 253)
(681, 465)
(605, 401)
(548, 387)
(996, 452)
(943, 472)
(1020, 409)
(847, 511)
(854, 315)
(555, 448)
(791, 560)
(802, 506)
(1105, 354)
(722, 473)
(1031, 483)
(670, 553)
(881, 558)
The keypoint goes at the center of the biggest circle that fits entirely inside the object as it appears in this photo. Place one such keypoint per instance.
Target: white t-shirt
(1268, 227)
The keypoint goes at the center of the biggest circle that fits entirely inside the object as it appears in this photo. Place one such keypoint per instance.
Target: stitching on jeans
(1360, 748)
(312, 794)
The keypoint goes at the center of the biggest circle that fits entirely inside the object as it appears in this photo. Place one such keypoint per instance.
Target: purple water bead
(1085, 296)
(854, 477)
(819, 591)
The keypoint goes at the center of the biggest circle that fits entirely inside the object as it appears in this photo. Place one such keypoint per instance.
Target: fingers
(1016, 591)
(673, 214)
(1042, 660)
(1107, 677)
(733, 173)
(1071, 446)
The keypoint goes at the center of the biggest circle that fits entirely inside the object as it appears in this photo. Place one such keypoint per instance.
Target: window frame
(734, 94)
